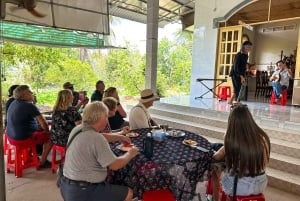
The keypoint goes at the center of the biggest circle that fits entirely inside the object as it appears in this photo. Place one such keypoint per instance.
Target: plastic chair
(21, 156)
(224, 92)
(224, 197)
(158, 195)
(55, 162)
(259, 197)
(282, 100)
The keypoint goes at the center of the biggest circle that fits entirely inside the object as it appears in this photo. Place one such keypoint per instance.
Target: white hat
(147, 95)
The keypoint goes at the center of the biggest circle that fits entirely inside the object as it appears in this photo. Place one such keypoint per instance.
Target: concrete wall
(270, 44)
(267, 46)
(205, 40)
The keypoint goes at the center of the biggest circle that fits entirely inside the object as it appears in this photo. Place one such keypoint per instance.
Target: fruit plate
(191, 143)
(123, 147)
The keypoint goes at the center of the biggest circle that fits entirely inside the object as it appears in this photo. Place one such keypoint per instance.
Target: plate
(175, 133)
(131, 134)
(122, 147)
(189, 142)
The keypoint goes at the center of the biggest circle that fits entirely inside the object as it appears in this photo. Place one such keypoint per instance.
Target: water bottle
(148, 145)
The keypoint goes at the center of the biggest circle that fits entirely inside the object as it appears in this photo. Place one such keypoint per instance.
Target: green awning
(48, 36)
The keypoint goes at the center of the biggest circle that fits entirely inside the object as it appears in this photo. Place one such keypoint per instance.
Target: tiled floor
(40, 186)
(259, 107)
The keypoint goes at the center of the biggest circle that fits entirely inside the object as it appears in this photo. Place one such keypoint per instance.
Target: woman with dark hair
(10, 99)
(10, 96)
(247, 152)
(112, 105)
(116, 121)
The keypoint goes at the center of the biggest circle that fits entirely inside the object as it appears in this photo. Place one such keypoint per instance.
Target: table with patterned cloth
(173, 165)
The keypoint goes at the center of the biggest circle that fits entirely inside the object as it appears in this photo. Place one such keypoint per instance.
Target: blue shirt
(21, 122)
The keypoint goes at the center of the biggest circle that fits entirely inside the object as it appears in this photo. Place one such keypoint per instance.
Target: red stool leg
(5, 143)
(209, 190)
(273, 98)
(283, 98)
(228, 90)
(10, 162)
(219, 91)
(55, 162)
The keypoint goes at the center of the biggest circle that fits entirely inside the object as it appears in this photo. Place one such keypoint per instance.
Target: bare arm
(82, 103)
(42, 122)
(220, 154)
(113, 137)
(121, 110)
(121, 161)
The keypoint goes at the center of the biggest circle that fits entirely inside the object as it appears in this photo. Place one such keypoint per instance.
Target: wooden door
(229, 43)
(296, 90)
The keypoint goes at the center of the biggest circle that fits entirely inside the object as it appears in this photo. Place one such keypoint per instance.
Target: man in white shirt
(139, 116)
(280, 78)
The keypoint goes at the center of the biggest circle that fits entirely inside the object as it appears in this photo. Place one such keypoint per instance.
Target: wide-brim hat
(67, 85)
(147, 95)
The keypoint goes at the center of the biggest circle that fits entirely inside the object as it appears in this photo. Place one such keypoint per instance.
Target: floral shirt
(63, 121)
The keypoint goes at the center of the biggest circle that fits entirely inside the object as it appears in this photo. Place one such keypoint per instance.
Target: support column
(2, 167)
(151, 44)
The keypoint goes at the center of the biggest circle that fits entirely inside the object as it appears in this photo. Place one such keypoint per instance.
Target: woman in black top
(117, 121)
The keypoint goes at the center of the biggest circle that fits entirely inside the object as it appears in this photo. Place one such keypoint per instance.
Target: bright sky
(135, 33)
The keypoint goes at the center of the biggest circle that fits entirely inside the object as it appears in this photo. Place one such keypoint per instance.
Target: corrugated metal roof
(169, 10)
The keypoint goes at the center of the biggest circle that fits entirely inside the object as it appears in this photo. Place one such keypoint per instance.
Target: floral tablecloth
(174, 165)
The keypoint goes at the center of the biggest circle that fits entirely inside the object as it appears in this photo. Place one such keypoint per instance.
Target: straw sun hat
(147, 95)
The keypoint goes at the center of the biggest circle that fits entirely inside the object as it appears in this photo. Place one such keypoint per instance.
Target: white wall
(205, 40)
(268, 46)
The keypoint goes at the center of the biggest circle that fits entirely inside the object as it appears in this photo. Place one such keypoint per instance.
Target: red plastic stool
(21, 156)
(259, 197)
(224, 92)
(158, 195)
(224, 197)
(282, 100)
(55, 162)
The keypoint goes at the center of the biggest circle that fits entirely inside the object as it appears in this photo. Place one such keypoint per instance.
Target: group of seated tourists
(89, 156)
(25, 122)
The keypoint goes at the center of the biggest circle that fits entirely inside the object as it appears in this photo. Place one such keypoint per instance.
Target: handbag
(60, 173)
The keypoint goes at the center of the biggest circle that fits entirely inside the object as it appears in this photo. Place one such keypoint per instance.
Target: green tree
(124, 69)
(174, 65)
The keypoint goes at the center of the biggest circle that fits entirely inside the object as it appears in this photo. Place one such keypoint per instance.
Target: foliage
(124, 69)
(45, 69)
(174, 63)
(47, 98)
